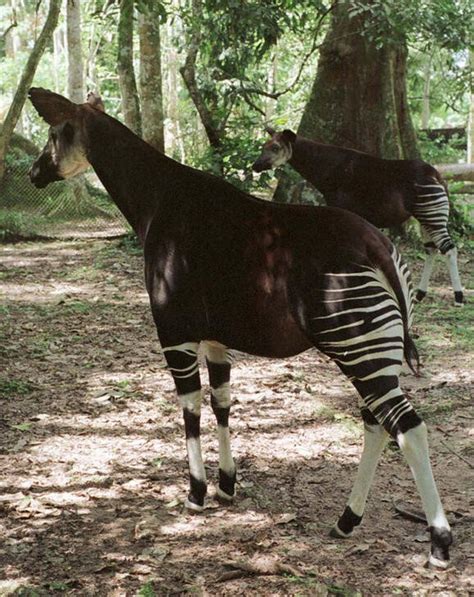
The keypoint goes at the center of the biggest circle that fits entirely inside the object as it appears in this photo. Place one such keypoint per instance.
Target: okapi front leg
(183, 364)
(219, 364)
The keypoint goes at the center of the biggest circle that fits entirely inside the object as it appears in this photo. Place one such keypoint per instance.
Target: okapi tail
(410, 352)
(400, 282)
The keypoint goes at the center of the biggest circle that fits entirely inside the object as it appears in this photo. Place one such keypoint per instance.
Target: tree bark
(188, 72)
(358, 99)
(425, 113)
(151, 92)
(127, 81)
(26, 79)
(470, 121)
(75, 68)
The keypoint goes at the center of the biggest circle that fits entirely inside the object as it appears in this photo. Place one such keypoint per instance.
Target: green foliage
(16, 225)
(460, 219)
(10, 388)
(438, 151)
(147, 590)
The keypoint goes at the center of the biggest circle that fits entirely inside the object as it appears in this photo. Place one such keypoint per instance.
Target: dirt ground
(93, 463)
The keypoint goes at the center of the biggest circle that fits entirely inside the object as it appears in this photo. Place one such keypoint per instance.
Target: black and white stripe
(431, 209)
(358, 323)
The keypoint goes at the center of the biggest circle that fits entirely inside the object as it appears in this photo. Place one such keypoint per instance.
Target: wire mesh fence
(76, 208)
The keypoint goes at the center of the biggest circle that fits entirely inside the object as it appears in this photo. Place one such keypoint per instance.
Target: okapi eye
(68, 132)
(275, 148)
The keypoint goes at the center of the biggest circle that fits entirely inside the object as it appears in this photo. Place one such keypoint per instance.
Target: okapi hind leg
(219, 361)
(414, 445)
(431, 209)
(375, 440)
(183, 363)
(452, 260)
(428, 267)
(389, 407)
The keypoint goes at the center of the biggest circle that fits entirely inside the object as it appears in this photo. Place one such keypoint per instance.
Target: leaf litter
(94, 464)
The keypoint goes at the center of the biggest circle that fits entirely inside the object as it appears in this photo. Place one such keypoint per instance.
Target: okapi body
(227, 271)
(384, 192)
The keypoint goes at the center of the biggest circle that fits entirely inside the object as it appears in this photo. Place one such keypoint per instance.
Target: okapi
(228, 271)
(384, 192)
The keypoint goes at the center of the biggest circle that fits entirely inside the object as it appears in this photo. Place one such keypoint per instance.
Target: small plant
(147, 590)
(15, 225)
(14, 387)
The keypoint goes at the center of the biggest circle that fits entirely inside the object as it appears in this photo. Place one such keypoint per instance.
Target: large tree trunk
(26, 79)
(150, 76)
(426, 108)
(176, 145)
(127, 82)
(470, 121)
(358, 99)
(75, 65)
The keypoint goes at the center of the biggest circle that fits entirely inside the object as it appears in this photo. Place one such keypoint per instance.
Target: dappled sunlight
(94, 456)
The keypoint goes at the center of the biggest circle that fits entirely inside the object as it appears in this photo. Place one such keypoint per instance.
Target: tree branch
(188, 72)
(8, 29)
(314, 46)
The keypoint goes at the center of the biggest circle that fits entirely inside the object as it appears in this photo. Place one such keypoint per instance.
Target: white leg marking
(427, 271)
(452, 259)
(192, 403)
(375, 439)
(414, 444)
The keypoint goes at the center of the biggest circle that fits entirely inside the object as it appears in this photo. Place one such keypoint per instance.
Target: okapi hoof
(192, 506)
(420, 295)
(223, 497)
(458, 299)
(436, 564)
(345, 525)
(441, 539)
(336, 533)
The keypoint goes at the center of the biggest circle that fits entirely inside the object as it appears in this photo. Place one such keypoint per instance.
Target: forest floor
(93, 463)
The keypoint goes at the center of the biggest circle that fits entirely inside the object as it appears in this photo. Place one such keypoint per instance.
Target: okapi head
(275, 152)
(64, 154)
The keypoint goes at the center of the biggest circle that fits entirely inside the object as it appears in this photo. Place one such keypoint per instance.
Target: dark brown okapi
(384, 192)
(227, 271)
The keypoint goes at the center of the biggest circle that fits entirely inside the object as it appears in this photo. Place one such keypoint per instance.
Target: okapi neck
(131, 170)
(314, 161)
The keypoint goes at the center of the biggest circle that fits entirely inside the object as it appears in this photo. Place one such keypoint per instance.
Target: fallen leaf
(285, 518)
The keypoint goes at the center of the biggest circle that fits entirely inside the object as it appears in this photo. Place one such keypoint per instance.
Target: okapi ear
(270, 130)
(52, 107)
(94, 100)
(288, 136)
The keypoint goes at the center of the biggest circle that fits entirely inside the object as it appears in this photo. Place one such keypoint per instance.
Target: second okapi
(225, 270)
(384, 192)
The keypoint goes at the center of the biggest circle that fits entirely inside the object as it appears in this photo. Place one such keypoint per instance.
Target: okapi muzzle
(261, 164)
(44, 170)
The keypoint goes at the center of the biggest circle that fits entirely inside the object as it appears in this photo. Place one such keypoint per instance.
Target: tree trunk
(470, 122)
(358, 99)
(151, 92)
(26, 79)
(188, 72)
(176, 145)
(127, 82)
(425, 113)
(75, 65)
